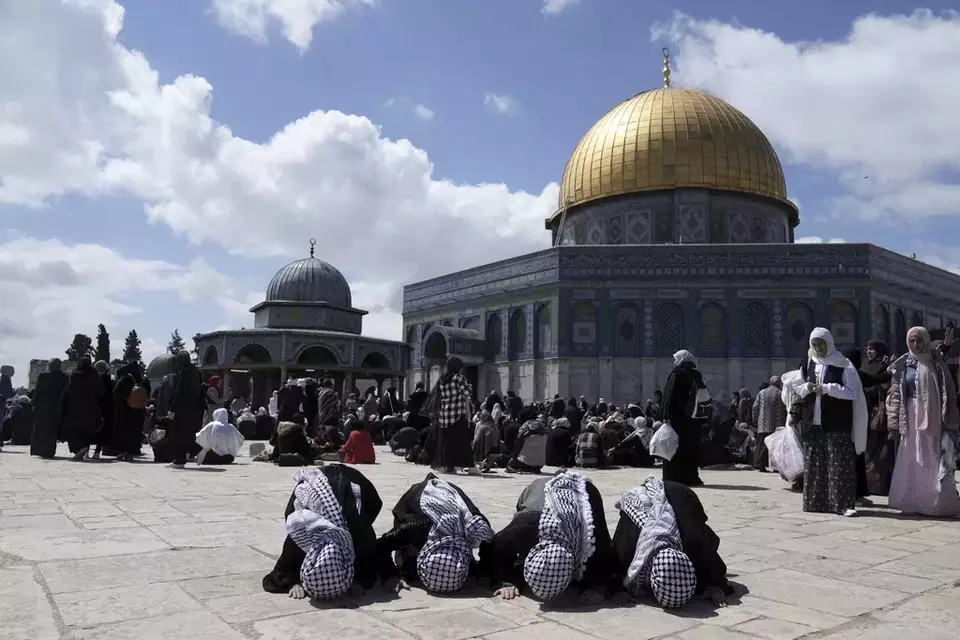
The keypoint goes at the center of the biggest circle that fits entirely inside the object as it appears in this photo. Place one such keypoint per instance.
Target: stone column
(283, 374)
(347, 385)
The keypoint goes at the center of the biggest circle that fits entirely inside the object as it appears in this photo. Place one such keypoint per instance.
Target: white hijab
(220, 436)
(683, 356)
(836, 359)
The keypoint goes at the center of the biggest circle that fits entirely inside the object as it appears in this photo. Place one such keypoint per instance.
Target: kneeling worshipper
(665, 547)
(436, 527)
(219, 440)
(558, 537)
(404, 440)
(331, 548)
(833, 427)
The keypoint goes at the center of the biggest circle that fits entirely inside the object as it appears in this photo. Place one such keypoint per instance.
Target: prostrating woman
(436, 527)
(79, 412)
(46, 406)
(665, 547)
(922, 407)
(558, 538)
(833, 427)
(331, 548)
(681, 385)
(220, 442)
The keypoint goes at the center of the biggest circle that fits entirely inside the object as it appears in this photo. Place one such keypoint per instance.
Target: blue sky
(420, 70)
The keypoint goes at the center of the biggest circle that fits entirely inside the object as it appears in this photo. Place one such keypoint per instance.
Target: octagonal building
(306, 327)
(673, 231)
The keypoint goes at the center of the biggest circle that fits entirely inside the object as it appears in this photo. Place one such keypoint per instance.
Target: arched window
(756, 331)
(713, 330)
(669, 328)
(585, 325)
(916, 320)
(494, 337)
(899, 332)
(799, 326)
(843, 323)
(518, 334)
(211, 356)
(881, 322)
(472, 323)
(626, 330)
(252, 353)
(544, 337)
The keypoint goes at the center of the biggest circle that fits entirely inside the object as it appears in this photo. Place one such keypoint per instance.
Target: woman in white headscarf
(221, 442)
(922, 407)
(833, 426)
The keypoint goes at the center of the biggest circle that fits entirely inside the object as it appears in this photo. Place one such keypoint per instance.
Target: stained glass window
(756, 331)
(669, 328)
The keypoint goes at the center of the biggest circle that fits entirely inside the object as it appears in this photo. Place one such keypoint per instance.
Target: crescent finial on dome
(313, 243)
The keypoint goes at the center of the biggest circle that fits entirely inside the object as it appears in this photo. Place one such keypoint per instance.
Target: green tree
(176, 344)
(103, 344)
(81, 347)
(195, 352)
(131, 348)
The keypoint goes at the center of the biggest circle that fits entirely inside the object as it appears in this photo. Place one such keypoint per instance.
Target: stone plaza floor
(121, 551)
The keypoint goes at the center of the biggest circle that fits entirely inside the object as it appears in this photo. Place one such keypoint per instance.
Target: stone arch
(899, 332)
(210, 356)
(881, 322)
(448, 323)
(713, 330)
(916, 319)
(518, 333)
(412, 337)
(543, 340)
(472, 323)
(252, 353)
(669, 327)
(376, 359)
(494, 337)
(626, 329)
(799, 325)
(317, 354)
(843, 323)
(755, 325)
(585, 325)
(435, 349)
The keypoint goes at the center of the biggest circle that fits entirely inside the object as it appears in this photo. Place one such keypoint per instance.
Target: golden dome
(671, 138)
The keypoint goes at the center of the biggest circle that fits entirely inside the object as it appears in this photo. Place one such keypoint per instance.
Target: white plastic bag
(786, 453)
(948, 457)
(665, 442)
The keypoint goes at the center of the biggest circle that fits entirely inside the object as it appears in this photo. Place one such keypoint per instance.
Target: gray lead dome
(310, 280)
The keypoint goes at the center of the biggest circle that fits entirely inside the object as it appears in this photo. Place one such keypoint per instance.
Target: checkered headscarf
(659, 564)
(444, 561)
(317, 526)
(565, 536)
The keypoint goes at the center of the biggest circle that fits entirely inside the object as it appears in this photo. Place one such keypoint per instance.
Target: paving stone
(102, 606)
(540, 631)
(24, 609)
(774, 629)
(640, 622)
(189, 624)
(449, 624)
(335, 623)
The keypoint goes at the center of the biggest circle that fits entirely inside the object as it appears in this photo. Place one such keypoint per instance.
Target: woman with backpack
(131, 393)
(681, 405)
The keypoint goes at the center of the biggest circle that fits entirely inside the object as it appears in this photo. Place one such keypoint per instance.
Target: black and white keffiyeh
(659, 564)
(565, 537)
(317, 526)
(444, 561)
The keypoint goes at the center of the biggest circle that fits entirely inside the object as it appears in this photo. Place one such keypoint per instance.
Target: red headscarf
(214, 381)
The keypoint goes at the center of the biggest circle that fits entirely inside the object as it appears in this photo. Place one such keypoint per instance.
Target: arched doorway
(211, 356)
(435, 350)
(252, 354)
(251, 383)
(372, 362)
(317, 356)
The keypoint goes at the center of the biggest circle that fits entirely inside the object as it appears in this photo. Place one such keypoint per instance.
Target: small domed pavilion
(306, 327)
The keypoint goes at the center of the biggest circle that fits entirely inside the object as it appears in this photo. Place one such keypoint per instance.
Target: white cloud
(99, 122)
(876, 109)
(818, 240)
(297, 18)
(553, 7)
(423, 112)
(52, 290)
(502, 104)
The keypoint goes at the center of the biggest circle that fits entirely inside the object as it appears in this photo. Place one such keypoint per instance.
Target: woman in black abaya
(79, 412)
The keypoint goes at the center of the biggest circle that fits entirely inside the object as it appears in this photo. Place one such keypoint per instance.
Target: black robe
(700, 543)
(414, 404)
(503, 558)
(128, 422)
(79, 412)
(289, 399)
(411, 528)
(108, 411)
(19, 423)
(46, 417)
(371, 561)
(681, 384)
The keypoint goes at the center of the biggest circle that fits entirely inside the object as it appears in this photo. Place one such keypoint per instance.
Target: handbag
(878, 421)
